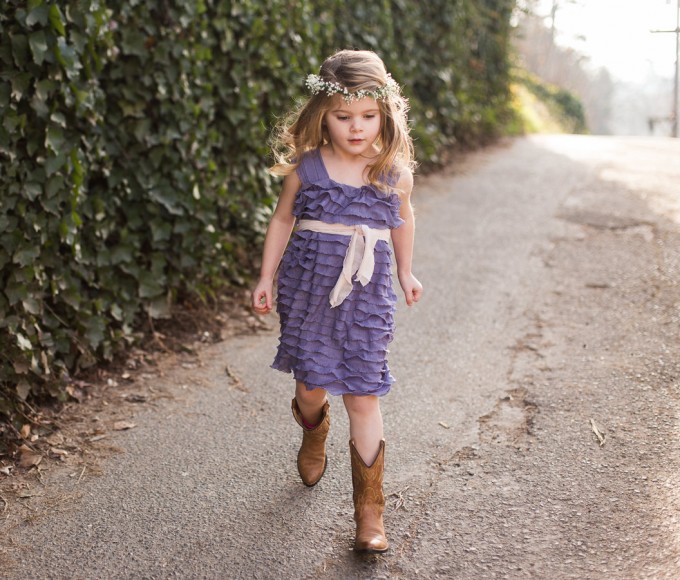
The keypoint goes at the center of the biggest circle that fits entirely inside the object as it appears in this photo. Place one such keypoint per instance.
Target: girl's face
(353, 128)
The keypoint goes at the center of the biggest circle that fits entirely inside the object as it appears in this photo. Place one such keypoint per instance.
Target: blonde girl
(346, 158)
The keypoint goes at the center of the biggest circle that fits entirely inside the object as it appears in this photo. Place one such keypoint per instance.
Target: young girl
(346, 158)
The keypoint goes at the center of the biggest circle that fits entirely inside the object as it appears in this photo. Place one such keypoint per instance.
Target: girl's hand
(262, 297)
(412, 288)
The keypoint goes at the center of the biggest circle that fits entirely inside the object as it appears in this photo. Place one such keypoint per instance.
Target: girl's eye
(342, 118)
(369, 116)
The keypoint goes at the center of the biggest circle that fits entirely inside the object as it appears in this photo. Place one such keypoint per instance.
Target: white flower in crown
(317, 85)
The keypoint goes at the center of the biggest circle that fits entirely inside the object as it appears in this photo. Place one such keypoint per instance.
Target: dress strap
(311, 167)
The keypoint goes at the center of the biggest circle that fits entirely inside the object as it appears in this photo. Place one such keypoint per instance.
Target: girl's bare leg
(309, 402)
(365, 425)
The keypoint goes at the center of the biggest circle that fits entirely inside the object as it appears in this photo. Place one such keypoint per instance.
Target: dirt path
(552, 311)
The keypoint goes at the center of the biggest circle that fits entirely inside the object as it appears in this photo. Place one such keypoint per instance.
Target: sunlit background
(631, 66)
(616, 34)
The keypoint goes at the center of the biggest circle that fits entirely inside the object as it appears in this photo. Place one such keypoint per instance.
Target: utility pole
(674, 114)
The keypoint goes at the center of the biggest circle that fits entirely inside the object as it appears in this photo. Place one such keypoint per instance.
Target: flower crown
(317, 85)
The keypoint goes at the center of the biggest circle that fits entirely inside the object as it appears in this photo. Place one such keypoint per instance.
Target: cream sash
(359, 258)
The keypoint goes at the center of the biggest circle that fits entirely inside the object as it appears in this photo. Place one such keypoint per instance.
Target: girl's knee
(361, 404)
(306, 396)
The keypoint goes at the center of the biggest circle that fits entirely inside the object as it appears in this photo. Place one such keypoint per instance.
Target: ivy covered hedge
(133, 147)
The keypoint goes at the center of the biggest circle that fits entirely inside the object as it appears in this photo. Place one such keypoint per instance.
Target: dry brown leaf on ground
(598, 433)
(59, 452)
(123, 425)
(28, 457)
(75, 393)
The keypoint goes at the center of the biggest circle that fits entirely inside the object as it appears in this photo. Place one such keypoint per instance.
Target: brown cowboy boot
(311, 459)
(369, 501)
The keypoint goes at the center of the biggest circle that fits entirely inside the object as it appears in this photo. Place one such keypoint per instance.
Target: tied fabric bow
(359, 259)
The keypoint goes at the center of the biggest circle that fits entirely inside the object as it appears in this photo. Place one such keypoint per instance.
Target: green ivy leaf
(38, 43)
(38, 13)
(52, 165)
(26, 256)
(149, 285)
(66, 56)
(54, 184)
(95, 327)
(54, 139)
(5, 91)
(33, 190)
(32, 306)
(20, 84)
(57, 20)
(44, 88)
(11, 121)
(20, 50)
(133, 42)
(59, 119)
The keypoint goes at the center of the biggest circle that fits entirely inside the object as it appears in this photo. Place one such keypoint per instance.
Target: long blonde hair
(303, 129)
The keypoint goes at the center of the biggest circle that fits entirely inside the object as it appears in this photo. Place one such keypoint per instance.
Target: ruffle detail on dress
(338, 203)
(343, 349)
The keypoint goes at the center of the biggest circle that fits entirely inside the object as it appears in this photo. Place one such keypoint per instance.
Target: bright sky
(616, 34)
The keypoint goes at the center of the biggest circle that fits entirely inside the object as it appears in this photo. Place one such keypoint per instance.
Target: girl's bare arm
(275, 241)
(402, 240)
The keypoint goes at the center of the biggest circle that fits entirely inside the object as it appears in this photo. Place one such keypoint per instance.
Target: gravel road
(551, 311)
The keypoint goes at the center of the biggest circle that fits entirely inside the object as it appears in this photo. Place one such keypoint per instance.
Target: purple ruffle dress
(343, 349)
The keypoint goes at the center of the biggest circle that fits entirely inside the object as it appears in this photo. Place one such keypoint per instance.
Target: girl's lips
(355, 140)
